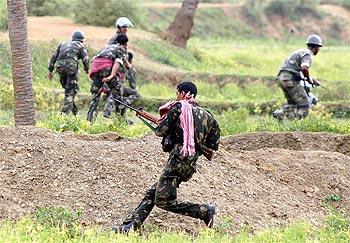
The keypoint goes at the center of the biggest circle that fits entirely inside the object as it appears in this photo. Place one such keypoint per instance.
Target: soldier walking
(295, 68)
(65, 59)
(107, 67)
(187, 130)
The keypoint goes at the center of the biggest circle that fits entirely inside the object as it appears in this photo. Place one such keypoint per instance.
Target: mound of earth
(261, 180)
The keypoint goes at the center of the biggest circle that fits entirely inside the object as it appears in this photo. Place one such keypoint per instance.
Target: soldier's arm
(305, 67)
(53, 59)
(85, 57)
(114, 71)
(170, 120)
(213, 138)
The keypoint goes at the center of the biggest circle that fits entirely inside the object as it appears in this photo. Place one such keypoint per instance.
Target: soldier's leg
(175, 172)
(71, 90)
(137, 216)
(110, 105)
(299, 97)
(130, 95)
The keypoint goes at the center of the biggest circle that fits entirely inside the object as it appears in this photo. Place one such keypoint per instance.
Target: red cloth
(100, 63)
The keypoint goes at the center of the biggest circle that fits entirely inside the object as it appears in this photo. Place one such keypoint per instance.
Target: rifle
(144, 116)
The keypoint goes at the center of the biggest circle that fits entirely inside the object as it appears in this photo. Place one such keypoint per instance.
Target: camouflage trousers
(124, 94)
(297, 106)
(163, 193)
(70, 84)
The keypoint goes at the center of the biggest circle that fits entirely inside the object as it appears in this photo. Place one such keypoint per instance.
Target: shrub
(253, 11)
(3, 15)
(292, 8)
(49, 7)
(104, 13)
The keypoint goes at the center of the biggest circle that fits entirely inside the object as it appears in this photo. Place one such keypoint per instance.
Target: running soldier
(187, 130)
(66, 60)
(295, 68)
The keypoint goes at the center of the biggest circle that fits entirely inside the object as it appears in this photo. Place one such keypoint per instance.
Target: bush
(253, 11)
(3, 15)
(104, 13)
(292, 8)
(49, 7)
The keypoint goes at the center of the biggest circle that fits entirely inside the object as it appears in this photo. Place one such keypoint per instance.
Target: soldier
(187, 130)
(122, 24)
(107, 67)
(66, 61)
(295, 68)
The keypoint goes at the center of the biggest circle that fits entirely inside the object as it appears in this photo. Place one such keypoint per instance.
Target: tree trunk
(179, 31)
(21, 63)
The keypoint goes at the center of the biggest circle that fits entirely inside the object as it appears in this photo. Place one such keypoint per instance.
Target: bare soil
(260, 180)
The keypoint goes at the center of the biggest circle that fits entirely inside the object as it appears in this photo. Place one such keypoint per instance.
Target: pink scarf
(186, 122)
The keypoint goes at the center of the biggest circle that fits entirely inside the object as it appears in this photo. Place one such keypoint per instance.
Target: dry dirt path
(261, 180)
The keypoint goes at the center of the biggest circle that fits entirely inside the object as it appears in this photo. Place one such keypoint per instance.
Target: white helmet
(123, 21)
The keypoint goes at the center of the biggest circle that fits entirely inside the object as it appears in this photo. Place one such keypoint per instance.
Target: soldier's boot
(75, 109)
(278, 114)
(125, 228)
(209, 217)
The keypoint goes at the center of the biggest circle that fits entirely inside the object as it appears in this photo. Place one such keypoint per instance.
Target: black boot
(124, 228)
(209, 217)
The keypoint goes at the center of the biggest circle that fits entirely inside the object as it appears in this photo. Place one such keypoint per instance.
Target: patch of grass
(80, 125)
(335, 229)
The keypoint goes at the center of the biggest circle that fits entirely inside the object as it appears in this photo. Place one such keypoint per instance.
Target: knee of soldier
(163, 199)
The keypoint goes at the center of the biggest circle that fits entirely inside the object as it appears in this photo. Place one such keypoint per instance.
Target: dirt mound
(259, 179)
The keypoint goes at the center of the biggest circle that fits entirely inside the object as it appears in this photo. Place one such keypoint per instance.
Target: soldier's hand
(317, 83)
(50, 76)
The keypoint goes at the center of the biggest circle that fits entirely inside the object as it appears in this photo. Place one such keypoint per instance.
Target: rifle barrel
(126, 105)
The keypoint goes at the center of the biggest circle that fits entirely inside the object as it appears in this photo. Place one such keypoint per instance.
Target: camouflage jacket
(113, 52)
(72, 51)
(207, 131)
(291, 67)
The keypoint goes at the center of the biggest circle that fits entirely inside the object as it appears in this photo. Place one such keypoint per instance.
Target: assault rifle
(144, 116)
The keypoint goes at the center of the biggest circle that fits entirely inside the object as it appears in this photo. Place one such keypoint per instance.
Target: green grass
(61, 225)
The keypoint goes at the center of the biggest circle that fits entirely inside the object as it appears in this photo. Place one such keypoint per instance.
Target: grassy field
(60, 225)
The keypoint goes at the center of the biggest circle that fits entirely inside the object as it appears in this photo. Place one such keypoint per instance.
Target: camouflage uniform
(289, 80)
(116, 53)
(130, 94)
(178, 168)
(66, 59)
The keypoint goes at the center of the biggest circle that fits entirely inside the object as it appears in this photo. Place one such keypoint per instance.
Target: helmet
(78, 35)
(123, 21)
(314, 40)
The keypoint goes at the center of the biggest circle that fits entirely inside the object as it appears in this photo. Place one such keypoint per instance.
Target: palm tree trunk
(179, 31)
(21, 63)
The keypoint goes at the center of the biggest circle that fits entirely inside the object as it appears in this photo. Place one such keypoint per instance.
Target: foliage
(293, 9)
(104, 13)
(49, 7)
(335, 229)
(3, 15)
(58, 217)
(253, 11)
(79, 124)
